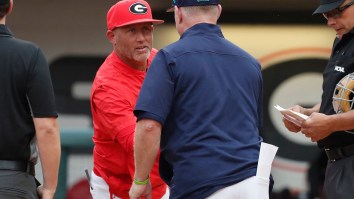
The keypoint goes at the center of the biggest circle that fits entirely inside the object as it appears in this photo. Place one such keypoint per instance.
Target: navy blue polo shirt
(207, 94)
(340, 64)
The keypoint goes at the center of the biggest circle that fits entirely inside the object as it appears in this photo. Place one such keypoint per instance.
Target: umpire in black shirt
(28, 118)
(331, 122)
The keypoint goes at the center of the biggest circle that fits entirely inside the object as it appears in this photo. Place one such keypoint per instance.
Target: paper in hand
(294, 117)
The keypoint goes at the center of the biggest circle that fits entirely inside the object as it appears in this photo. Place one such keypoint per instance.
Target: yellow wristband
(138, 182)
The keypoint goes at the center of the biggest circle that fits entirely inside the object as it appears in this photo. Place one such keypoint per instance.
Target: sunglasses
(336, 13)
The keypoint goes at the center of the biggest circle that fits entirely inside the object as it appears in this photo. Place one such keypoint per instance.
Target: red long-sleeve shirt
(113, 98)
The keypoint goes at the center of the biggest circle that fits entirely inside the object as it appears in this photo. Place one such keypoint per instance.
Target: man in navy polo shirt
(201, 103)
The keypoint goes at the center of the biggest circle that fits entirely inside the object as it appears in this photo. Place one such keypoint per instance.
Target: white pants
(100, 189)
(250, 188)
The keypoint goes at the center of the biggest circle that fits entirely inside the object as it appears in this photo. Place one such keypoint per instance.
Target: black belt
(15, 165)
(338, 153)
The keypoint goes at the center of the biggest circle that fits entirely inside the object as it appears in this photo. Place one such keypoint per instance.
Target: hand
(44, 193)
(138, 191)
(290, 125)
(317, 126)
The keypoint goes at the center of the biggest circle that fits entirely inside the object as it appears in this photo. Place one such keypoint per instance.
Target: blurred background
(292, 45)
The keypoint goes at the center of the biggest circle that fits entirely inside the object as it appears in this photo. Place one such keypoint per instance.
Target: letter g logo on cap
(138, 8)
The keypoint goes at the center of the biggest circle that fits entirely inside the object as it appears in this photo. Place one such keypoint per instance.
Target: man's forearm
(343, 121)
(48, 142)
(309, 111)
(146, 147)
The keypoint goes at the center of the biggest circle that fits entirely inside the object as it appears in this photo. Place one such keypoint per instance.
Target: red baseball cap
(127, 12)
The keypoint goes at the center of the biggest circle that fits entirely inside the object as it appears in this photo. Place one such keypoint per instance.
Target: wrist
(141, 182)
(306, 111)
(333, 121)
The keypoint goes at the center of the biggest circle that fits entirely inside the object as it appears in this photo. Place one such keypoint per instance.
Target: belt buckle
(332, 160)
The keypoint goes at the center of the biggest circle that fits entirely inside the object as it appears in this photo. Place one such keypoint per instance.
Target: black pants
(339, 179)
(17, 185)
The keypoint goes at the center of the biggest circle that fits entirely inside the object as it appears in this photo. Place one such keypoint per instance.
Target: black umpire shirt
(340, 64)
(26, 91)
